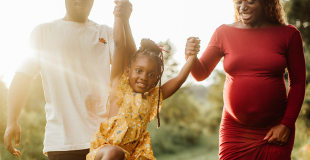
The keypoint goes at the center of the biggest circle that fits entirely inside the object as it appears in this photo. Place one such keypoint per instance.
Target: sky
(158, 20)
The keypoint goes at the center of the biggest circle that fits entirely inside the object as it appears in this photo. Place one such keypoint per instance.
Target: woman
(258, 120)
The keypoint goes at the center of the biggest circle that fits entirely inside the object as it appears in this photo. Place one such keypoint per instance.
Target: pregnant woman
(258, 120)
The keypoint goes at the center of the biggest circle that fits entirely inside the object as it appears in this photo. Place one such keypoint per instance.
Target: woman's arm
(278, 135)
(296, 67)
(203, 67)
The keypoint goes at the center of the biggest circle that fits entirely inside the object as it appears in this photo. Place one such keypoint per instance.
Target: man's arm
(17, 97)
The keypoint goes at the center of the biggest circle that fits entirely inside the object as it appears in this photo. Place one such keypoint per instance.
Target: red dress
(255, 97)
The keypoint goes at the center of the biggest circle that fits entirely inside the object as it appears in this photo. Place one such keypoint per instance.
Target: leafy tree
(215, 99)
(169, 63)
(180, 117)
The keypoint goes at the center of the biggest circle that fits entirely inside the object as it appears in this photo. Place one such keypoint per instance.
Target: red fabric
(255, 97)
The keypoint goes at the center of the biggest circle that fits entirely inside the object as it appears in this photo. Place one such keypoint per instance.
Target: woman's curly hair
(273, 11)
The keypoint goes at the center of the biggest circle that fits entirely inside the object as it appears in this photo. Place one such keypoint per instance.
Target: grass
(207, 149)
(196, 153)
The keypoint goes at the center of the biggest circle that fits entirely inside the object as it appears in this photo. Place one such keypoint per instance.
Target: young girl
(134, 100)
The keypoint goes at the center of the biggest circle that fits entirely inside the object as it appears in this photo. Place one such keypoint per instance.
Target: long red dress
(255, 97)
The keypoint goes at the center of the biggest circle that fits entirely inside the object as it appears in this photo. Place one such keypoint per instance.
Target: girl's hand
(123, 9)
(192, 46)
(278, 135)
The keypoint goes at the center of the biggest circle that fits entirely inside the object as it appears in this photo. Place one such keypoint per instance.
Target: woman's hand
(278, 135)
(192, 46)
(123, 9)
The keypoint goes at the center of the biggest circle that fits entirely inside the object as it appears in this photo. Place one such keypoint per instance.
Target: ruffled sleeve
(121, 89)
(154, 96)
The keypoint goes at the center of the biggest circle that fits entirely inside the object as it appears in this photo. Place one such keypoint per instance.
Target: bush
(180, 124)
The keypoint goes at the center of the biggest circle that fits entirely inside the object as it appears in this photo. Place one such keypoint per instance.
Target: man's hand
(278, 135)
(12, 131)
(123, 9)
(192, 46)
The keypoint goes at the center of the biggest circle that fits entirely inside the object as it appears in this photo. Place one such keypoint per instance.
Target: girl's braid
(150, 49)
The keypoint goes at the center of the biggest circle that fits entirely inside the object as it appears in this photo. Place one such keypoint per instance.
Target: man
(73, 55)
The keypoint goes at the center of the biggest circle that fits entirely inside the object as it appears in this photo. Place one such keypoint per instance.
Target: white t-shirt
(74, 60)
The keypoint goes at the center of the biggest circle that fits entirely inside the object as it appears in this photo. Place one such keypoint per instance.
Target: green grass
(196, 153)
(207, 149)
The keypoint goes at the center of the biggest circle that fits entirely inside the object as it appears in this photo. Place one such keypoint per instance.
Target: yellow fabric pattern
(127, 130)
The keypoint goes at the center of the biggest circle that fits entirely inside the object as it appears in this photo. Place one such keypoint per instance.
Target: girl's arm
(123, 9)
(117, 69)
(130, 44)
(119, 51)
(170, 87)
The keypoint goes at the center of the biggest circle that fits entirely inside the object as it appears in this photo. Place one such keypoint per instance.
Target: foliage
(181, 124)
(180, 117)
(215, 98)
(302, 140)
(169, 63)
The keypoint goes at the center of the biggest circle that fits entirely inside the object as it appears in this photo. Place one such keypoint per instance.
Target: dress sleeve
(31, 65)
(154, 96)
(203, 67)
(297, 79)
(121, 89)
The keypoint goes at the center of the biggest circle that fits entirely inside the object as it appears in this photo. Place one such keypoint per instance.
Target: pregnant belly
(255, 101)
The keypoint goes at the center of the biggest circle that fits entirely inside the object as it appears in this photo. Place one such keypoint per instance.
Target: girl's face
(143, 74)
(251, 11)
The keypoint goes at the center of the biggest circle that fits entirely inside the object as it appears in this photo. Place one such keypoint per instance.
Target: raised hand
(12, 131)
(278, 135)
(192, 46)
(123, 9)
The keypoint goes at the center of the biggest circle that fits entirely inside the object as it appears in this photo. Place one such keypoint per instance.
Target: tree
(180, 117)
(169, 63)
(215, 99)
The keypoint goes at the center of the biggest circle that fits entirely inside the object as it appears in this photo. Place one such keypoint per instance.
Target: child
(134, 100)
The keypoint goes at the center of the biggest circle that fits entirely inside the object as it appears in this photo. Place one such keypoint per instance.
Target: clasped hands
(123, 9)
(192, 46)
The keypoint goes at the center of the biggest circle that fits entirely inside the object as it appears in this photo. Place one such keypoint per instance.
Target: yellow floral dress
(127, 130)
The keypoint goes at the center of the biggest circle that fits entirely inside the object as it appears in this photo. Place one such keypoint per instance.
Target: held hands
(278, 135)
(12, 131)
(192, 47)
(123, 9)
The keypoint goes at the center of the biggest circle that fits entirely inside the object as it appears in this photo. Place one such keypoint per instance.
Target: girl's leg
(110, 153)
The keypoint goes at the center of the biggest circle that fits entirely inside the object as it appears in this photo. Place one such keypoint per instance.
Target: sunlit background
(190, 118)
(158, 20)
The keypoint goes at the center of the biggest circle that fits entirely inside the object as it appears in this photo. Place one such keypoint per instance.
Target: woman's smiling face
(251, 11)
